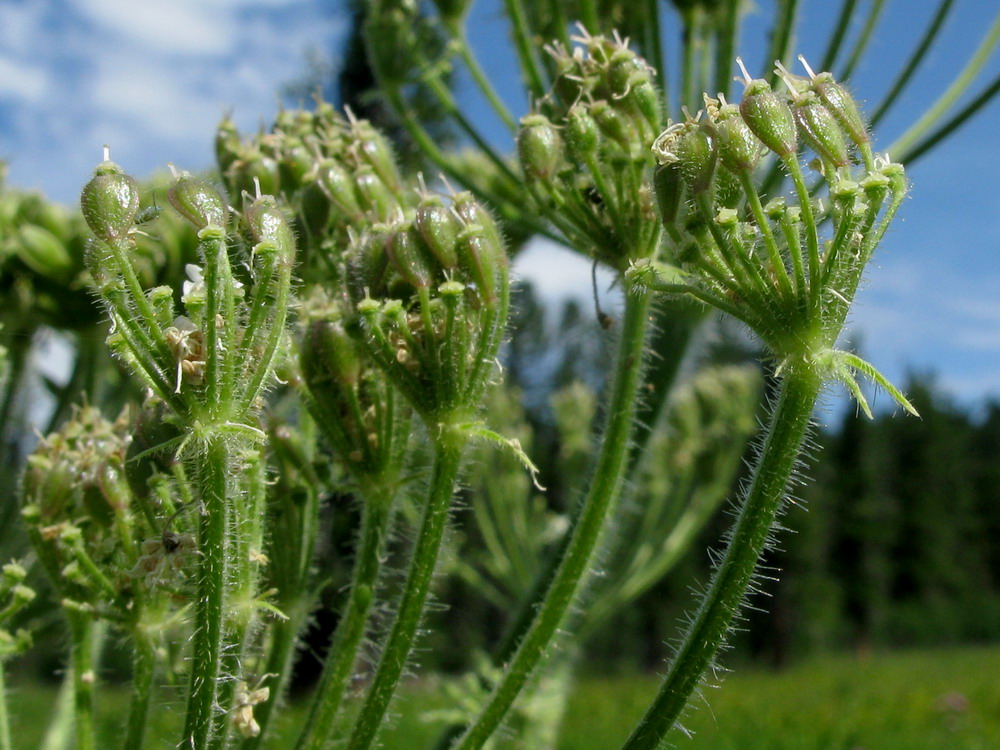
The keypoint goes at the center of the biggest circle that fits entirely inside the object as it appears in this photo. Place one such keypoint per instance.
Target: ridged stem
(347, 638)
(81, 628)
(735, 572)
(587, 531)
(958, 87)
(206, 655)
(4, 719)
(449, 442)
(143, 668)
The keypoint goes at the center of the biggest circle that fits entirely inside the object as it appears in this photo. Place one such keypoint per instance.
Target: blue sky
(152, 79)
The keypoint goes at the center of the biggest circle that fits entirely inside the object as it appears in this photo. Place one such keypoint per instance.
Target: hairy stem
(81, 629)
(206, 655)
(735, 572)
(449, 442)
(4, 719)
(347, 638)
(587, 531)
(143, 668)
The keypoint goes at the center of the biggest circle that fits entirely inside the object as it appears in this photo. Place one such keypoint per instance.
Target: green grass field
(928, 700)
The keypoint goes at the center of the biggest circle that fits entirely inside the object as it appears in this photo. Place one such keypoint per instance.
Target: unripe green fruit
(669, 189)
(438, 229)
(615, 125)
(198, 202)
(44, 253)
(697, 157)
(110, 202)
(769, 117)
(539, 148)
(480, 259)
(583, 137)
(268, 224)
(821, 130)
(329, 352)
(739, 148)
(405, 254)
(842, 106)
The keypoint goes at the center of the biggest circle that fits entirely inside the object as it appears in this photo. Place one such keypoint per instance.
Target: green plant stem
(725, 52)
(958, 87)
(213, 540)
(782, 38)
(863, 40)
(4, 719)
(143, 668)
(735, 572)
(449, 442)
(291, 566)
(525, 45)
(918, 56)
(61, 719)
(347, 638)
(483, 82)
(839, 33)
(245, 544)
(653, 47)
(952, 124)
(587, 531)
(81, 628)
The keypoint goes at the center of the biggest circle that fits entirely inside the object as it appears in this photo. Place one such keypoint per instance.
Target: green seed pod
(198, 202)
(728, 190)
(769, 117)
(481, 258)
(329, 352)
(669, 189)
(842, 106)
(405, 253)
(697, 156)
(368, 263)
(471, 212)
(583, 137)
(647, 100)
(821, 130)
(294, 165)
(338, 185)
(262, 171)
(161, 299)
(370, 147)
(375, 197)
(110, 202)
(44, 253)
(739, 148)
(438, 228)
(626, 70)
(539, 148)
(227, 144)
(267, 223)
(615, 126)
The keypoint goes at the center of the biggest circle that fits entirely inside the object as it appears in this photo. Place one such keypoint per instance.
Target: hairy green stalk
(588, 529)
(449, 442)
(81, 628)
(4, 718)
(343, 654)
(143, 669)
(787, 430)
(213, 543)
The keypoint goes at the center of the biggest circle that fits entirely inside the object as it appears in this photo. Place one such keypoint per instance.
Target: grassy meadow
(925, 700)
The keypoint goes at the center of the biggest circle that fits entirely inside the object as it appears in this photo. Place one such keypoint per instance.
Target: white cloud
(20, 81)
(187, 27)
(557, 273)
